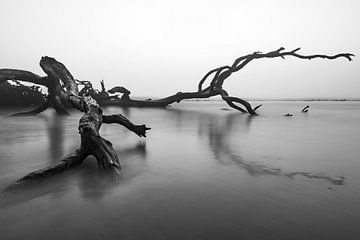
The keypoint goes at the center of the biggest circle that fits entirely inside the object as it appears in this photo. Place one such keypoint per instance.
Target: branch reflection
(217, 129)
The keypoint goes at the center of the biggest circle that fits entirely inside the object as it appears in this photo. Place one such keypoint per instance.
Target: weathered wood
(26, 76)
(91, 140)
(57, 100)
(35, 111)
(64, 93)
(140, 130)
(15, 94)
(215, 87)
(305, 109)
(70, 161)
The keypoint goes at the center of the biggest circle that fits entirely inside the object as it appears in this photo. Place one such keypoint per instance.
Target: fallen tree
(214, 87)
(218, 76)
(16, 94)
(64, 94)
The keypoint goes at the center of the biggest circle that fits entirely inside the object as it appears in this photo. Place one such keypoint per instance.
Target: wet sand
(203, 172)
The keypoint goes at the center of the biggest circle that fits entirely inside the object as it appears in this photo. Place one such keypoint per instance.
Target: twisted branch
(22, 75)
(215, 87)
(63, 90)
(222, 73)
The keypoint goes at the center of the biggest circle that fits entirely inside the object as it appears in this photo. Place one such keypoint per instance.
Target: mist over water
(203, 172)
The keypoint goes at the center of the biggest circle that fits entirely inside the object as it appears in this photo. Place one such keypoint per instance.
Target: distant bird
(288, 115)
(305, 109)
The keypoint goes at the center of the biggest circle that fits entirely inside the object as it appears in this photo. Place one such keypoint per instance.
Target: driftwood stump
(64, 94)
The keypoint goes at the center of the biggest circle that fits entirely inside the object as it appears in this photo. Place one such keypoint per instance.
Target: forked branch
(63, 90)
(215, 85)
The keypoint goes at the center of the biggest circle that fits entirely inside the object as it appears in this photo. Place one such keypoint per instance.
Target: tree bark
(57, 100)
(215, 87)
(64, 93)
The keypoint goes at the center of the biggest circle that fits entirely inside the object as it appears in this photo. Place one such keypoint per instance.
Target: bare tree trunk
(215, 87)
(64, 93)
(57, 100)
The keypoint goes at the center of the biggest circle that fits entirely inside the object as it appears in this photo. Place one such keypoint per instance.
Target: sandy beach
(203, 172)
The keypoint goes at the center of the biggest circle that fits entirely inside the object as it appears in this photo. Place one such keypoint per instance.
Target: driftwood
(57, 100)
(214, 88)
(17, 94)
(305, 109)
(63, 94)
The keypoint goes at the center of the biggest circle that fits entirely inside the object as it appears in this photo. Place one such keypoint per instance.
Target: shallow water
(203, 172)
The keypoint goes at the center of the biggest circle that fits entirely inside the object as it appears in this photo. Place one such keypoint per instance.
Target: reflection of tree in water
(93, 183)
(217, 130)
(55, 130)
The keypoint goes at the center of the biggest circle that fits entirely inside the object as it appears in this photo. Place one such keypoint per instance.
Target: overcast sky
(157, 48)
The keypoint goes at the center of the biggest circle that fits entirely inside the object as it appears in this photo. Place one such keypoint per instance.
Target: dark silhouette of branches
(215, 85)
(64, 94)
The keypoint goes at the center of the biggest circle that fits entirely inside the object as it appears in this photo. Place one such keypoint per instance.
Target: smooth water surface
(203, 172)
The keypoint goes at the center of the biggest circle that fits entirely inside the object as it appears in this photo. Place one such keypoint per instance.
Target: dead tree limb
(305, 109)
(72, 160)
(26, 76)
(57, 100)
(140, 130)
(33, 112)
(63, 94)
(215, 86)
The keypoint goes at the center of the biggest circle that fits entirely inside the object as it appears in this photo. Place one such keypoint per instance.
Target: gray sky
(157, 48)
